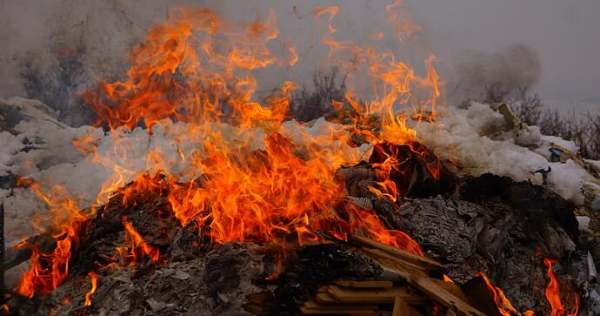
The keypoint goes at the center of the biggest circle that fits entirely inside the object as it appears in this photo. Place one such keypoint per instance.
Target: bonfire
(218, 202)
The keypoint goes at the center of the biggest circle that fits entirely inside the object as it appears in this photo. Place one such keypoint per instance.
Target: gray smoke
(59, 48)
(477, 74)
(54, 49)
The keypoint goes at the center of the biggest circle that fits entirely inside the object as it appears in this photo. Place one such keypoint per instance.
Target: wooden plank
(314, 308)
(401, 308)
(428, 263)
(453, 288)
(342, 311)
(395, 261)
(445, 297)
(325, 298)
(451, 312)
(364, 283)
(396, 270)
(373, 296)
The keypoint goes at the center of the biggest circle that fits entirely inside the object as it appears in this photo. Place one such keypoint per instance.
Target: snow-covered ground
(475, 139)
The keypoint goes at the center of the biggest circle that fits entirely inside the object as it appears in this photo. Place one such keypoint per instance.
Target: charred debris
(478, 235)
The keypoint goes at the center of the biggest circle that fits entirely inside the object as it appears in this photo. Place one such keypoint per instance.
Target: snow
(583, 223)
(122, 155)
(473, 139)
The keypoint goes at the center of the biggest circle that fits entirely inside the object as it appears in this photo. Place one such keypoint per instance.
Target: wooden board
(364, 283)
(401, 308)
(314, 308)
(373, 296)
(441, 295)
(426, 263)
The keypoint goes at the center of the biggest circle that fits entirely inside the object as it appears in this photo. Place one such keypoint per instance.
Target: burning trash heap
(215, 201)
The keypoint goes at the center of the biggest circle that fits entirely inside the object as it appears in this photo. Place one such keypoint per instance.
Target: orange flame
(332, 11)
(94, 281)
(552, 293)
(255, 183)
(504, 305)
(447, 279)
(138, 247)
(399, 18)
(48, 270)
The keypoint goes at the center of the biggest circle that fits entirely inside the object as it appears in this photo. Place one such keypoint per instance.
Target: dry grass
(308, 104)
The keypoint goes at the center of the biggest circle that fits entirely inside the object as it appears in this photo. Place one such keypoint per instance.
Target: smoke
(61, 48)
(493, 77)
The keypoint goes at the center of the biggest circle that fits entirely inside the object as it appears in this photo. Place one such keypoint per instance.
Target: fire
(553, 293)
(246, 178)
(138, 247)
(332, 11)
(447, 279)
(246, 194)
(399, 18)
(258, 198)
(94, 281)
(47, 271)
(504, 305)
(371, 223)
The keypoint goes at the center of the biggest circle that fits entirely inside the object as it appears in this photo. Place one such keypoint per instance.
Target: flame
(138, 247)
(447, 279)
(504, 305)
(293, 56)
(394, 238)
(247, 178)
(552, 293)
(47, 271)
(94, 281)
(332, 11)
(400, 20)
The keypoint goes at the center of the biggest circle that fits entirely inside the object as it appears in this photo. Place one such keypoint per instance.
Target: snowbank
(475, 141)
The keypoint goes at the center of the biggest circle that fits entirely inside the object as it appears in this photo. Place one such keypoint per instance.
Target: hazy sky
(566, 34)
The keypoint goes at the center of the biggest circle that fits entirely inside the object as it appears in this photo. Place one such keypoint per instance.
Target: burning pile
(256, 213)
